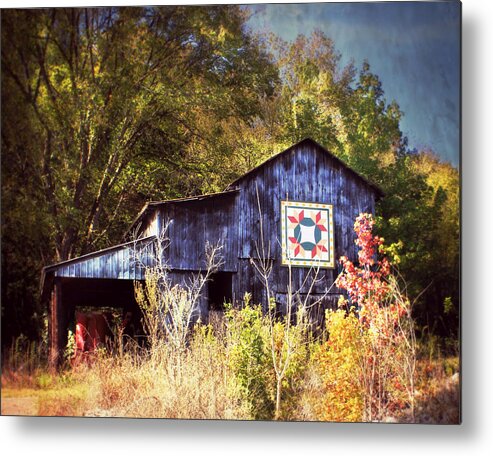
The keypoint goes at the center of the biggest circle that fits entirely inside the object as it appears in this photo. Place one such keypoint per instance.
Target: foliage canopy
(103, 109)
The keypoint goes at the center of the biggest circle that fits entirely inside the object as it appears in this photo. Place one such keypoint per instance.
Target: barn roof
(233, 187)
(87, 256)
(307, 141)
(150, 205)
(104, 263)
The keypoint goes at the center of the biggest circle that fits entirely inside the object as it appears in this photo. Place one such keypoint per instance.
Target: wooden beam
(56, 326)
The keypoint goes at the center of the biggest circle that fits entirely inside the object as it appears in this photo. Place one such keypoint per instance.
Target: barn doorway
(220, 291)
(93, 311)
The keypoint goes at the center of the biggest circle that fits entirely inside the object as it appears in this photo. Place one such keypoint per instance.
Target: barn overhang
(100, 279)
(124, 261)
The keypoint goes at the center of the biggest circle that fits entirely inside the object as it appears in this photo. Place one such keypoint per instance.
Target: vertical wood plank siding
(193, 224)
(306, 173)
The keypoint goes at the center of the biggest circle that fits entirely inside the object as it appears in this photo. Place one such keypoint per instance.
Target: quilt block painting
(307, 234)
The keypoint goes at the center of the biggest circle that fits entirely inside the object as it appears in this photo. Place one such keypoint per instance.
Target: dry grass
(160, 383)
(60, 398)
(196, 383)
(310, 405)
(193, 384)
(438, 391)
(437, 394)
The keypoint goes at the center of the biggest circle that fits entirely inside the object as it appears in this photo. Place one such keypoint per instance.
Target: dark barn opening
(220, 291)
(98, 303)
(100, 306)
(92, 297)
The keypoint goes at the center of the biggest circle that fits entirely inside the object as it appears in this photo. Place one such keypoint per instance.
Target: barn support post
(53, 324)
(57, 325)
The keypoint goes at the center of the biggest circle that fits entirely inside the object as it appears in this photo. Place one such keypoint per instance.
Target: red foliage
(381, 311)
(367, 283)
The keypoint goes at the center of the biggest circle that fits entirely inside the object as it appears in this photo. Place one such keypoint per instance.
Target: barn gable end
(305, 173)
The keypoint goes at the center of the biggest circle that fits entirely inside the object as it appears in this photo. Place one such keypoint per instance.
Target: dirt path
(23, 406)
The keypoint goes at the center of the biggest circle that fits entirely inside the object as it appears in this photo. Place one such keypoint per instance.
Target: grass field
(201, 383)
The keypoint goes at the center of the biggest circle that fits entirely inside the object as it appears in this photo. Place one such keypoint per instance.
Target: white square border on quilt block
(307, 234)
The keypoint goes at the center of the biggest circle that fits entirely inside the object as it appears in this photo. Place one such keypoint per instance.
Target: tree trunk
(278, 399)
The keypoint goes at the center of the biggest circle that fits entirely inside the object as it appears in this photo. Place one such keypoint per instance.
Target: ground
(22, 406)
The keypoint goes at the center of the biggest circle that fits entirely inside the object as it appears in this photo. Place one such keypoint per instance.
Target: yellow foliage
(339, 361)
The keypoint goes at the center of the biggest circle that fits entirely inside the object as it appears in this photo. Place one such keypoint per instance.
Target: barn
(295, 212)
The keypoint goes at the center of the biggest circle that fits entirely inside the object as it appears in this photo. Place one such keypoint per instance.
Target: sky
(414, 48)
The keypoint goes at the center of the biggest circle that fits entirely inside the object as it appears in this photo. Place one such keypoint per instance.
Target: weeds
(221, 378)
(254, 363)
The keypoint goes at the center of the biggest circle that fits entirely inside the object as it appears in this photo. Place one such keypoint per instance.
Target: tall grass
(208, 380)
(23, 361)
(164, 383)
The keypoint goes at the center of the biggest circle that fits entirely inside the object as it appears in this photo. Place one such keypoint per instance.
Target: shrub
(339, 362)
(248, 358)
(267, 358)
(169, 310)
(288, 345)
(371, 352)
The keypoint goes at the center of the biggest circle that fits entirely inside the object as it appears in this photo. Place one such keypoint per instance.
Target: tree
(105, 86)
(421, 213)
(117, 106)
(315, 91)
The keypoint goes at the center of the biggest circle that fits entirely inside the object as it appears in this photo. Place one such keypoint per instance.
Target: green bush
(249, 360)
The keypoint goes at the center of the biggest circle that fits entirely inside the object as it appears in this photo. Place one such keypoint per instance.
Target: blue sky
(414, 47)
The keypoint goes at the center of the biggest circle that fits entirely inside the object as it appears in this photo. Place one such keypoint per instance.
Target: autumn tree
(346, 111)
(103, 109)
(108, 87)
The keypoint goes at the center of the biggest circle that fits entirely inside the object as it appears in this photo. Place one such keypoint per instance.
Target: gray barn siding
(193, 224)
(302, 174)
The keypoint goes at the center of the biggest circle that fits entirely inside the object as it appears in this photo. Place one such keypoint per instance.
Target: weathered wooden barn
(300, 205)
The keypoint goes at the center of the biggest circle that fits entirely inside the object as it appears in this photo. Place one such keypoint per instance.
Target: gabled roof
(233, 187)
(308, 141)
(150, 205)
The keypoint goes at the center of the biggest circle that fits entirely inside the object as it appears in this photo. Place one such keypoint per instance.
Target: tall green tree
(103, 109)
(346, 111)
(109, 87)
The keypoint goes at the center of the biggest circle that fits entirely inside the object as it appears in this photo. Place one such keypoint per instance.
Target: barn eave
(48, 273)
(151, 206)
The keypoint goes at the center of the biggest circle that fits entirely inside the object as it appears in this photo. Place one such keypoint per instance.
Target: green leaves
(104, 109)
(248, 358)
(108, 85)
